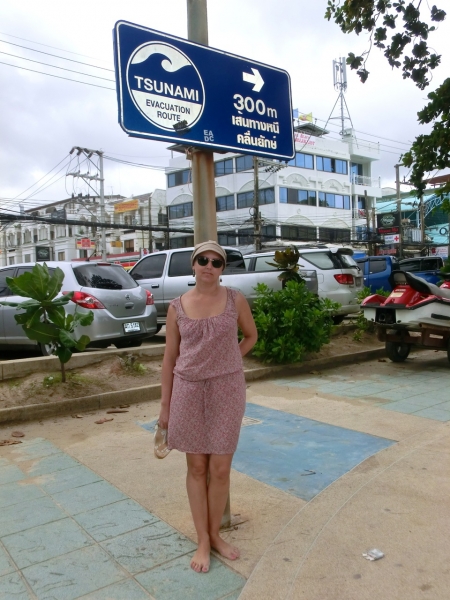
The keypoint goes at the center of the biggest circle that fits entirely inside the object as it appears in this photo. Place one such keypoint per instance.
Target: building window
(83, 253)
(332, 165)
(27, 258)
(162, 218)
(305, 161)
(42, 234)
(244, 163)
(246, 236)
(27, 237)
(179, 178)
(226, 238)
(266, 196)
(291, 196)
(330, 234)
(334, 201)
(61, 256)
(268, 233)
(11, 260)
(180, 210)
(182, 242)
(225, 203)
(245, 200)
(223, 167)
(60, 232)
(299, 233)
(129, 245)
(70, 231)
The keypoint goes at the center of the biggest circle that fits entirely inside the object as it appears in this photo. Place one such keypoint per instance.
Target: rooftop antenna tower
(340, 84)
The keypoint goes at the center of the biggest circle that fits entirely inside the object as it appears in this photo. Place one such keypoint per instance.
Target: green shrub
(291, 322)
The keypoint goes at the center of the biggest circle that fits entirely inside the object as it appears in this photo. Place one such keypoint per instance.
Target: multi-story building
(320, 195)
(28, 240)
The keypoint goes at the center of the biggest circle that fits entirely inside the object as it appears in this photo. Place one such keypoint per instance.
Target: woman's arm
(246, 324)
(170, 356)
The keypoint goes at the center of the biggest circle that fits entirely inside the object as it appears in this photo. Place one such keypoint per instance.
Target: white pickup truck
(168, 274)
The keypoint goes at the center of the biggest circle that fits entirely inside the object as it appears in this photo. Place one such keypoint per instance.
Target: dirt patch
(115, 373)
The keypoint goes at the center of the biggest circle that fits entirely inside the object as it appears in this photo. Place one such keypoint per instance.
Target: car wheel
(128, 344)
(397, 351)
(337, 319)
(45, 349)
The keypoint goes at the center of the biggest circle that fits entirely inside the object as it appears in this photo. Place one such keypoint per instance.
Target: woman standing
(203, 391)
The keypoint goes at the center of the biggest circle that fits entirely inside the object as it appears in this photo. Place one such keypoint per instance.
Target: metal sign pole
(204, 204)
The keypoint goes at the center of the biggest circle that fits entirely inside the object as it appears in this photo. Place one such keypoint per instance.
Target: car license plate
(131, 327)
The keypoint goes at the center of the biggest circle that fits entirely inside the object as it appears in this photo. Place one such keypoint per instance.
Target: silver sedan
(124, 312)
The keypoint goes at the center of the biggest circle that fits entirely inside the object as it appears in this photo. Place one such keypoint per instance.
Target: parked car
(124, 312)
(338, 276)
(376, 271)
(168, 274)
(426, 267)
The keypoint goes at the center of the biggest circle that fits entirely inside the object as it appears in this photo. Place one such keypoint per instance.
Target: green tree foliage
(401, 30)
(42, 315)
(291, 322)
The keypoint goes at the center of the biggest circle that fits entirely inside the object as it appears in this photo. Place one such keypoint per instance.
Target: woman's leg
(218, 489)
(196, 484)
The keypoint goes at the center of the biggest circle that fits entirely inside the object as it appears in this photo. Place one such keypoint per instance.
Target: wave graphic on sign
(174, 59)
(166, 93)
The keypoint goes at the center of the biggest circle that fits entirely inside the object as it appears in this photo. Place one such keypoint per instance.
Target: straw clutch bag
(160, 442)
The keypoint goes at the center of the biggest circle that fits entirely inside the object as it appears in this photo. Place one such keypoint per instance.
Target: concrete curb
(33, 412)
(27, 366)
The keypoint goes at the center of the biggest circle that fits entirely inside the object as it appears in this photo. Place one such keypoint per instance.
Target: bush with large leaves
(43, 317)
(291, 322)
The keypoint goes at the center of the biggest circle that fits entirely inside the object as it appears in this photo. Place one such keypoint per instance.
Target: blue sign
(177, 91)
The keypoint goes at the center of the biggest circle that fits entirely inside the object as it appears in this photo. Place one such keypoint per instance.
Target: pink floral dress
(208, 393)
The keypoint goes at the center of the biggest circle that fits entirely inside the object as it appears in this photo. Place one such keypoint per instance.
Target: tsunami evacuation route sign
(174, 90)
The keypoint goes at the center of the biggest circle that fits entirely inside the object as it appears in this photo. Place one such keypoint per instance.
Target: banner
(126, 206)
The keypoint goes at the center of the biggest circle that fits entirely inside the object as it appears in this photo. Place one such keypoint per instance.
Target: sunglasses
(204, 260)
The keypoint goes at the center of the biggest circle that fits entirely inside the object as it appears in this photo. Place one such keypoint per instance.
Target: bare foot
(200, 560)
(224, 548)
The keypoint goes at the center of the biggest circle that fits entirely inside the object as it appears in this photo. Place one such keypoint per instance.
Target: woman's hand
(163, 419)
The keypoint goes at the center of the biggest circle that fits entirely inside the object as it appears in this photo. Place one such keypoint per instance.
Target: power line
(46, 45)
(56, 56)
(58, 76)
(55, 67)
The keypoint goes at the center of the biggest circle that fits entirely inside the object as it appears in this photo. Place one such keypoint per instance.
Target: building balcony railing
(365, 181)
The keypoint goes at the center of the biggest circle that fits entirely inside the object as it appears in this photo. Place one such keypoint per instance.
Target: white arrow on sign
(256, 79)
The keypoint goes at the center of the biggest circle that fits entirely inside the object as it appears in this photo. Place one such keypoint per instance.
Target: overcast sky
(42, 117)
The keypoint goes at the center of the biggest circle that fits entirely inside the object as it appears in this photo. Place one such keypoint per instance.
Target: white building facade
(323, 194)
(32, 240)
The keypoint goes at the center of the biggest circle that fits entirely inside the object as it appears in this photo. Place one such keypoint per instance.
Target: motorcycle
(416, 313)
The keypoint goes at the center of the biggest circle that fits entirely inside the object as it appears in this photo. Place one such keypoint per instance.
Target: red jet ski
(415, 313)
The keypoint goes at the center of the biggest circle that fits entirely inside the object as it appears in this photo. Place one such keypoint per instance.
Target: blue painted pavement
(298, 455)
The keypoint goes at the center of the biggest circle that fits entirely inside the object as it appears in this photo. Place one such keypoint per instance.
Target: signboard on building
(85, 243)
(174, 90)
(392, 239)
(116, 244)
(388, 223)
(43, 253)
(121, 207)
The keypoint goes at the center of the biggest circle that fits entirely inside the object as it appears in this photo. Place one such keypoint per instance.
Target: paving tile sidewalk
(66, 534)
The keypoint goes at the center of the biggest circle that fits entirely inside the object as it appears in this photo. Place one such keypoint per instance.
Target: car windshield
(104, 276)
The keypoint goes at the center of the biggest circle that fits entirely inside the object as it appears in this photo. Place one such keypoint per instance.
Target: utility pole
(204, 193)
(87, 177)
(422, 219)
(369, 235)
(256, 214)
(399, 209)
(150, 240)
